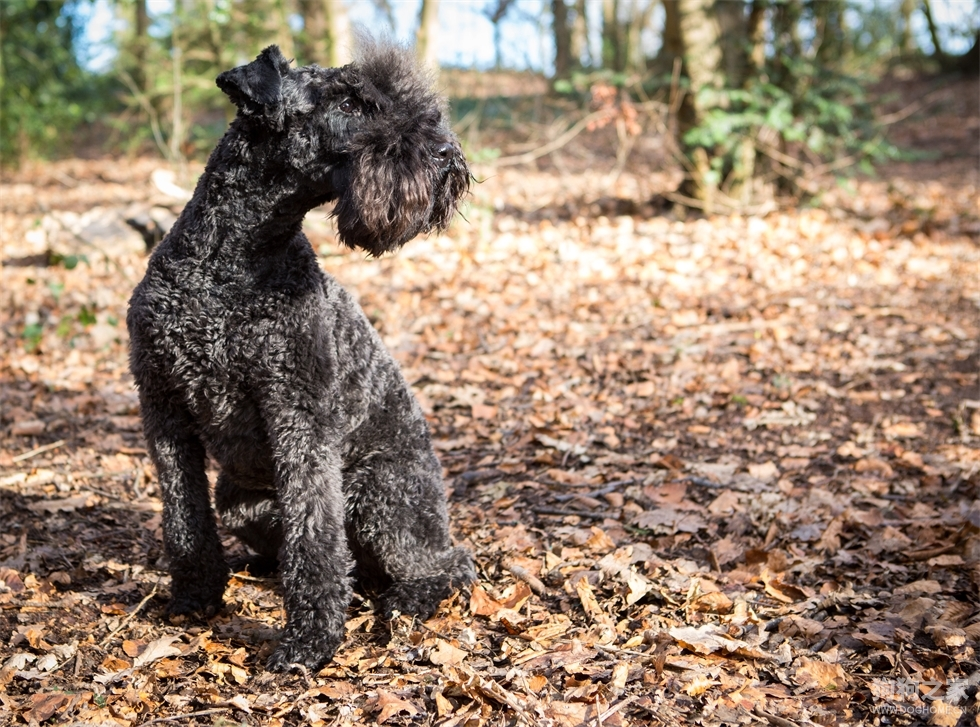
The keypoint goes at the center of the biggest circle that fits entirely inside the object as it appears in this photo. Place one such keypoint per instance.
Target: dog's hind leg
(251, 514)
(400, 529)
(197, 564)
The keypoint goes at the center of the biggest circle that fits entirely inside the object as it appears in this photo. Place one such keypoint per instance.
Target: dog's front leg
(315, 560)
(197, 565)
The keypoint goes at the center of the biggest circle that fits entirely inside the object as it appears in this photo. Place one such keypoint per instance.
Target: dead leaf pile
(719, 470)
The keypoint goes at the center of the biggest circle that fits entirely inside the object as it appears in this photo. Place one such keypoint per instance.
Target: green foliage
(69, 262)
(43, 89)
(582, 81)
(480, 154)
(56, 288)
(32, 336)
(824, 121)
(86, 317)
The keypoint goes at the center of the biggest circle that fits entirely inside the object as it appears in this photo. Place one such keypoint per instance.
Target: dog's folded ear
(257, 86)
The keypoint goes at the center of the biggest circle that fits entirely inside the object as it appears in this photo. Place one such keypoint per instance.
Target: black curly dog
(244, 350)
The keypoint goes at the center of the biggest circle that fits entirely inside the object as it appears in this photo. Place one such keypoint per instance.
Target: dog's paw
(188, 604)
(297, 654)
(420, 597)
(260, 566)
(195, 598)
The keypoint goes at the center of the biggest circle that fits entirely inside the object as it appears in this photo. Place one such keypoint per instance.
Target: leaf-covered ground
(715, 471)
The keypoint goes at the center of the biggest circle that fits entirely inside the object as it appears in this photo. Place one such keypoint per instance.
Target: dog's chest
(216, 340)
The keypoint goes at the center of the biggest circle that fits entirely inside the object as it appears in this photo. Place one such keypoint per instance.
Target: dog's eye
(349, 106)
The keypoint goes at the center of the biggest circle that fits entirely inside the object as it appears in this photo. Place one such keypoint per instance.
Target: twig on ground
(39, 450)
(615, 708)
(129, 617)
(703, 482)
(178, 717)
(610, 487)
(522, 574)
(773, 719)
(567, 513)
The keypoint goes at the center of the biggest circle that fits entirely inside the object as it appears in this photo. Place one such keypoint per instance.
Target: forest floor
(718, 470)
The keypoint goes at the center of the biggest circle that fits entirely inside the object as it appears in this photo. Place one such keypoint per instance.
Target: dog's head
(373, 135)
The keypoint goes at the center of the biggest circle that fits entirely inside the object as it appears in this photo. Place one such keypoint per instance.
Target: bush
(42, 88)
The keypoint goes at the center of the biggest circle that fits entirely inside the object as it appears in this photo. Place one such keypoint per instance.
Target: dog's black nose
(442, 153)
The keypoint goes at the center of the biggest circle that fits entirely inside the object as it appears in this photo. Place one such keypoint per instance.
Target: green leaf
(32, 336)
(86, 317)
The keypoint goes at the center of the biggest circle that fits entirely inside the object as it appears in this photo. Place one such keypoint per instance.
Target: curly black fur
(244, 350)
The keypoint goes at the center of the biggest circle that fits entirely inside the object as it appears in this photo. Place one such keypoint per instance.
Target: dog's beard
(379, 210)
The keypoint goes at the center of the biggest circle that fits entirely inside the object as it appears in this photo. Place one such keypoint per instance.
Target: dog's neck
(241, 207)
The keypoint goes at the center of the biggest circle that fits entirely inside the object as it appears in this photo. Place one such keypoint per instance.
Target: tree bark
(906, 40)
(755, 32)
(427, 36)
(701, 51)
(829, 15)
(312, 41)
(325, 39)
(563, 40)
(338, 33)
(140, 26)
(673, 44)
(732, 36)
(581, 54)
(937, 48)
(612, 36)
(969, 62)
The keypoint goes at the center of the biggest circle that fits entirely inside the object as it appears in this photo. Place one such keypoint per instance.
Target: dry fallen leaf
(157, 649)
(757, 431)
(446, 653)
(388, 705)
(813, 673)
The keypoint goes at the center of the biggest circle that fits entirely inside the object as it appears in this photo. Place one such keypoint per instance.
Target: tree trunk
(701, 51)
(829, 16)
(495, 14)
(969, 62)
(750, 62)
(639, 19)
(338, 33)
(427, 36)
(563, 40)
(786, 43)
(612, 37)
(906, 41)
(580, 35)
(312, 41)
(142, 22)
(937, 48)
(673, 44)
(732, 26)
(755, 32)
